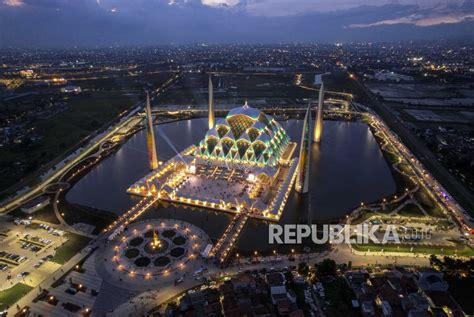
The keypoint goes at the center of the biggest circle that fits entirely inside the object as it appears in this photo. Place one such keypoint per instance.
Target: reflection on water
(346, 168)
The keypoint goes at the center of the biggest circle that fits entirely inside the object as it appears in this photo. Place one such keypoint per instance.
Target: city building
(35, 204)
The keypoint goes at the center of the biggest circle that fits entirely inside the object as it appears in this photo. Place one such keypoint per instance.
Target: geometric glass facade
(247, 136)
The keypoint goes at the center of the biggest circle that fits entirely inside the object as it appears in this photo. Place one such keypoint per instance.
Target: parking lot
(26, 250)
(74, 296)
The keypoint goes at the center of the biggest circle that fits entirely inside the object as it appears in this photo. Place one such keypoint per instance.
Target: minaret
(150, 136)
(302, 176)
(318, 125)
(211, 104)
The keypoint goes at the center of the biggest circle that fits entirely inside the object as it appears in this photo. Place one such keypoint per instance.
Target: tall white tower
(302, 172)
(211, 104)
(150, 136)
(318, 125)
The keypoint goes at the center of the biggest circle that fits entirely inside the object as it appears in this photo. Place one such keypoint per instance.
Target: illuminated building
(150, 136)
(211, 104)
(318, 125)
(302, 172)
(246, 135)
(244, 164)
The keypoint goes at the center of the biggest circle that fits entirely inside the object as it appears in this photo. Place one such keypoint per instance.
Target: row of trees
(452, 266)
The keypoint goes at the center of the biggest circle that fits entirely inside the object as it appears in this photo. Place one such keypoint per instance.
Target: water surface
(346, 169)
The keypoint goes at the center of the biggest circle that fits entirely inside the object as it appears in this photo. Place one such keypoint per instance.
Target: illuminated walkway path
(132, 214)
(225, 244)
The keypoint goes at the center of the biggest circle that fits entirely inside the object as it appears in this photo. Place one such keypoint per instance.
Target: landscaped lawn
(74, 244)
(411, 210)
(427, 202)
(459, 249)
(10, 296)
(132, 253)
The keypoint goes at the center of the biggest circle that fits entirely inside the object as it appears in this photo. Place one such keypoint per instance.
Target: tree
(327, 268)
(435, 262)
(289, 277)
(303, 268)
(449, 263)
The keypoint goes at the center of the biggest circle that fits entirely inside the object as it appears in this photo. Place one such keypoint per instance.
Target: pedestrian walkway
(222, 249)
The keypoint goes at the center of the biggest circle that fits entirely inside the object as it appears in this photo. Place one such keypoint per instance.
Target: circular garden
(137, 253)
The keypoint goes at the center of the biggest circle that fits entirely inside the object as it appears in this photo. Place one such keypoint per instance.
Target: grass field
(10, 296)
(411, 210)
(276, 90)
(87, 112)
(74, 244)
(459, 249)
(428, 204)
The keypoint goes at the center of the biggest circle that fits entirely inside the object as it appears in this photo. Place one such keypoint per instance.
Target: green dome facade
(247, 136)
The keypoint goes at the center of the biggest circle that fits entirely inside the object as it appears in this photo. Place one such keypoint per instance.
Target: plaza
(244, 164)
(132, 258)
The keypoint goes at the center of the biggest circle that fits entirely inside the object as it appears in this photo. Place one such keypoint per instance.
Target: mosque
(244, 164)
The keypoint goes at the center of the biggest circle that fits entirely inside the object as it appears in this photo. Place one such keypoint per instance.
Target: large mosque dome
(246, 135)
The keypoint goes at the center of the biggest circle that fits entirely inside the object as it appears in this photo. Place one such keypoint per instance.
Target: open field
(259, 89)
(86, 113)
(71, 119)
(74, 244)
(11, 295)
(459, 249)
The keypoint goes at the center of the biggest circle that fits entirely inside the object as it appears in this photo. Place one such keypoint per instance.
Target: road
(457, 190)
(146, 301)
(435, 190)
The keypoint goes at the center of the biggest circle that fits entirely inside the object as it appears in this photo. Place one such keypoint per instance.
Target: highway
(425, 156)
(436, 191)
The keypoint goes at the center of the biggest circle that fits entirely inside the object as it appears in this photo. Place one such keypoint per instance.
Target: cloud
(417, 20)
(298, 7)
(13, 3)
(220, 3)
(66, 23)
